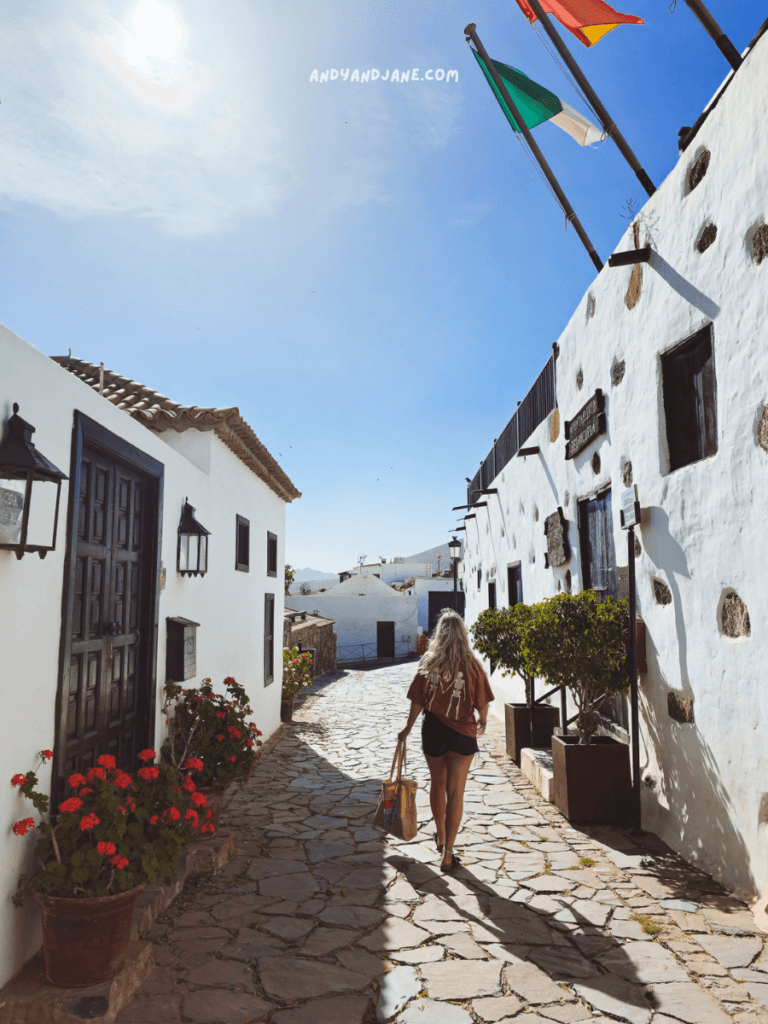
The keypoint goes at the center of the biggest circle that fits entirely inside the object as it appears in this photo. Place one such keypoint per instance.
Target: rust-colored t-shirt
(454, 700)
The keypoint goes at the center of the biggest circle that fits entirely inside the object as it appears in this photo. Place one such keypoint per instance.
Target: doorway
(385, 639)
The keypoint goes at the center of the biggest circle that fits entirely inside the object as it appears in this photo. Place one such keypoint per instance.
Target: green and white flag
(537, 104)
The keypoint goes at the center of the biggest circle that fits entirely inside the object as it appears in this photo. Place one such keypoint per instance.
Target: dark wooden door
(385, 639)
(598, 560)
(108, 686)
(440, 599)
(515, 584)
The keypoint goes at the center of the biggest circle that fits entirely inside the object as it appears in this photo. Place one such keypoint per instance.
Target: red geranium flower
(148, 772)
(107, 761)
(220, 737)
(121, 809)
(105, 848)
(77, 779)
(234, 732)
(149, 755)
(220, 714)
(153, 820)
(199, 800)
(119, 862)
(88, 821)
(122, 781)
(18, 780)
(70, 806)
(194, 764)
(96, 773)
(191, 815)
(232, 759)
(189, 784)
(259, 744)
(22, 827)
(249, 743)
(173, 813)
(207, 828)
(46, 754)
(85, 792)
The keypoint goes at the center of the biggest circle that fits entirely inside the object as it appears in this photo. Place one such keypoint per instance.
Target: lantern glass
(40, 505)
(203, 554)
(194, 552)
(183, 552)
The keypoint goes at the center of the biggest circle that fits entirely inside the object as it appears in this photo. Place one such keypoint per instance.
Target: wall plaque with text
(556, 531)
(586, 425)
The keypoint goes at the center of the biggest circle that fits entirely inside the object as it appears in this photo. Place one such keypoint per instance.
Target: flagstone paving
(320, 919)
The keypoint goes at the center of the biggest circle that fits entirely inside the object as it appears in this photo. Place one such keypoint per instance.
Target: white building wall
(356, 606)
(422, 589)
(229, 605)
(702, 529)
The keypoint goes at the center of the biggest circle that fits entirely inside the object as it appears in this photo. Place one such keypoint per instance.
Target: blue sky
(372, 272)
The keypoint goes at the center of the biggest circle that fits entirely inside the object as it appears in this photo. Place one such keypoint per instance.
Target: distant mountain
(431, 556)
(312, 574)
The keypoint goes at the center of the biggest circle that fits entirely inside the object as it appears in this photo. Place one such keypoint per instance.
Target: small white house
(662, 383)
(90, 632)
(372, 620)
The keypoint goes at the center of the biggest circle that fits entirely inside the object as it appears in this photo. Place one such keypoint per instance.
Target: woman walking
(449, 687)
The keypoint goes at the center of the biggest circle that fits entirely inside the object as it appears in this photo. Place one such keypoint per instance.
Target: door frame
(86, 431)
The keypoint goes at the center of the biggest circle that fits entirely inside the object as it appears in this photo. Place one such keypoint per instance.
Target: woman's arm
(482, 714)
(412, 716)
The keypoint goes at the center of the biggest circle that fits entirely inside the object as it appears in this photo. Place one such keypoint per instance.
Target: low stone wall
(314, 633)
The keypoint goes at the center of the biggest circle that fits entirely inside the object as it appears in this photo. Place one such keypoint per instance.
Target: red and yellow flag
(588, 20)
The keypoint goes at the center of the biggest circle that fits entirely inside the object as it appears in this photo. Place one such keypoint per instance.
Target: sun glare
(155, 29)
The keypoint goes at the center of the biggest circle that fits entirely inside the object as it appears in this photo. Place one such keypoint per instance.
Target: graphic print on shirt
(457, 685)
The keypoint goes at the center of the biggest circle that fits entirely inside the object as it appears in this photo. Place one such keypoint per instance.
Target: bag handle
(399, 759)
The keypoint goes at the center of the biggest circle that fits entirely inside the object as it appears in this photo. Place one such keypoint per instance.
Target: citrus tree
(498, 635)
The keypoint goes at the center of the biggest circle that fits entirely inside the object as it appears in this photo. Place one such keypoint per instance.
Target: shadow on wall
(669, 557)
(690, 773)
(683, 288)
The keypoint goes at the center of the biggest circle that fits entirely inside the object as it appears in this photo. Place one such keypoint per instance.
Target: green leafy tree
(579, 641)
(290, 574)
(498, 635)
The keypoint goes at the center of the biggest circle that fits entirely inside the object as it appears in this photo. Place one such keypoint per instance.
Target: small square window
(688, 375)
(243, 544)
(271, 554)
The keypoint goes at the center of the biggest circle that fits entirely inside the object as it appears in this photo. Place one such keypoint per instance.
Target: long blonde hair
(449, 649)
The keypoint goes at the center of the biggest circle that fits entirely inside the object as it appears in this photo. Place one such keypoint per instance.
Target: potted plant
(211, 728)
(579, 641)
(114, 833)
(498, 635)
(297, 673)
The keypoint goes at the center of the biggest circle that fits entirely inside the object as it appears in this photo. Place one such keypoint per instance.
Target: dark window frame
(689, 388)
(271, 554)
(510, 577)
(241, 523)
(269, 639)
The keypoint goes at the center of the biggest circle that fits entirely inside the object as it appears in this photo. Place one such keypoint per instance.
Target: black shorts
(437, 738)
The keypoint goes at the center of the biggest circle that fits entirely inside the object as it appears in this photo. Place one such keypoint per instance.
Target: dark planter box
(518, 718)
(592, 783)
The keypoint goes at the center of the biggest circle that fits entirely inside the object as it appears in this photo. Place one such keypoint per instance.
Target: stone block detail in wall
(591, 304)
(554, 426)
(580, 379)
(626, 474)
(762, 430)
(735, 620)
(707, 237)
(698, 169)
(596, 463)
(567, 497)
(661, 592)
(680, 708)
(635, 289)
(617, 372)
(760, 244)
(568, 583)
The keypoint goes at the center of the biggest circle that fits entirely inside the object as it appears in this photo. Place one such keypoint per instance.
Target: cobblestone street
(319, 920)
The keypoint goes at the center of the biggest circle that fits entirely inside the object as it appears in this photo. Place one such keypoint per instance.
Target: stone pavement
(319, 919)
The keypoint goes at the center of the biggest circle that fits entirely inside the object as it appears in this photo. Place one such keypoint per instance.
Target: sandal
(438, 845)
(448, 869)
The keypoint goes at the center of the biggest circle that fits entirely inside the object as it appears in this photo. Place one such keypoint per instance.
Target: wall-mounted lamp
(30, 489)
(192, 556)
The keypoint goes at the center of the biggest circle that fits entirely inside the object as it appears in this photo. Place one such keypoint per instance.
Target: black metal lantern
(454, 546)
(192, 554)
(30, 489)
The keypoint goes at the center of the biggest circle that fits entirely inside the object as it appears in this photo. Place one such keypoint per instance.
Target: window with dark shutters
(515, 584)
(242, 544)
(690, 400)
(269, 638)
(271, 554)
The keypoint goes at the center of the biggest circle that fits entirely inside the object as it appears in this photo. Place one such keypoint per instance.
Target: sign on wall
(586, 425)
(556, 531)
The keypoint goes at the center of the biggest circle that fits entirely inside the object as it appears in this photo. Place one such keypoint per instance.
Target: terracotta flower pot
(286, 709)
(85, 941)
(215, 798)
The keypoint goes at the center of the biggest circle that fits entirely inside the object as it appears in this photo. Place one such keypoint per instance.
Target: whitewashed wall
(703, 529)
(421, 589)
(356, 606)
(228, 604)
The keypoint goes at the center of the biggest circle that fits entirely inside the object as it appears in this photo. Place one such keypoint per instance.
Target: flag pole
(470, 33)
(609, 126)
(723, 43)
